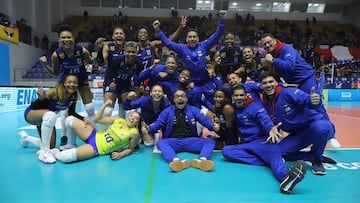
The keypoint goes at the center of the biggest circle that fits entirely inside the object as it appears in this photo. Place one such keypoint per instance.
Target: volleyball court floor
(145, 176)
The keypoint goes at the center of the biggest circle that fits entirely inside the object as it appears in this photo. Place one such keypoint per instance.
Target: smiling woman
(42, 113)
(119, 134)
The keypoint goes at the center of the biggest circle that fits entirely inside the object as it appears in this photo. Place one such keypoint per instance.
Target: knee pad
(90, 110)
(66, 156)
(49, 119)
(69, 121)
(108, 111)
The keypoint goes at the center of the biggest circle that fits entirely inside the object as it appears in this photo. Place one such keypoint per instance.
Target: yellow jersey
(115, 137)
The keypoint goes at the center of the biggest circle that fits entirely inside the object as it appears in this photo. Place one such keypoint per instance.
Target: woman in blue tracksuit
(302, 123)
(193, 54)
(255, 129)
(180, 134)
(150, 106)
(159, 72)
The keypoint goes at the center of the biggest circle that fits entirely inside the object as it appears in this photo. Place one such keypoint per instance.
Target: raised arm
(98, 118)
(182, 25)
(55, 68)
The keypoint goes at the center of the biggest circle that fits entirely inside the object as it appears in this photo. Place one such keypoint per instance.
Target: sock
(176, 159)
(107, 112)
(47, 125)
(66, 156)
(69, 130)
(35, 140)
(203, 158)
(90, 111)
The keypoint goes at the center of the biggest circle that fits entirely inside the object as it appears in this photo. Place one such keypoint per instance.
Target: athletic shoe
(204, 165)
(24, 143)
(178, 165)
(334, 143)
(295, 175)
(63, 140)
(45, 156)
(328, 159)
(318, 167)
(54, 151)
(67, 146)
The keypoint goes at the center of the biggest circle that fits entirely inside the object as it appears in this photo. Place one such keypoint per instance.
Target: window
(315, 8)
(281, 7)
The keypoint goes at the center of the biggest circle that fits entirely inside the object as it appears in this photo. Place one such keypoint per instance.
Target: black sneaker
(328, 159)
(318, 167)
(63, 140)
(295, 175)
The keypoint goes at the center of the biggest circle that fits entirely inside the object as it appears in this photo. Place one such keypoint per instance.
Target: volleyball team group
(191, 98)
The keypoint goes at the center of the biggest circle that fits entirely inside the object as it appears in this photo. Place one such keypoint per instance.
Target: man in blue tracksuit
(256, 131)
(302, 124)
(180, 134)
(287, 63)
(193, 54)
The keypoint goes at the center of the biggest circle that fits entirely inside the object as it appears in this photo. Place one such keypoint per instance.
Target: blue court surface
(145, 177)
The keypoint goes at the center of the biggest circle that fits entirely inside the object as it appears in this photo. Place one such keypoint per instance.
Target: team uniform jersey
(125, 79)
(253, 70)
(114, 59)
(145, 57)
(55, 105)
(72, 65)
(114, 138)
(230, 60)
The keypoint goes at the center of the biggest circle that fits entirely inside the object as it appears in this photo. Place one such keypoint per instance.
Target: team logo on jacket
(62, 55)
(77, 53)
(112, 48)
(223, 54)
(199, 53)
(245, 118)
(148, 52)
(78, 61)
(286, 108)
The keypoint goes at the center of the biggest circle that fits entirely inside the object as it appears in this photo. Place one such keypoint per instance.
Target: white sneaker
(46, 156)
(24, 143)
(334, 143)
(54, 151)
(67, 146)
